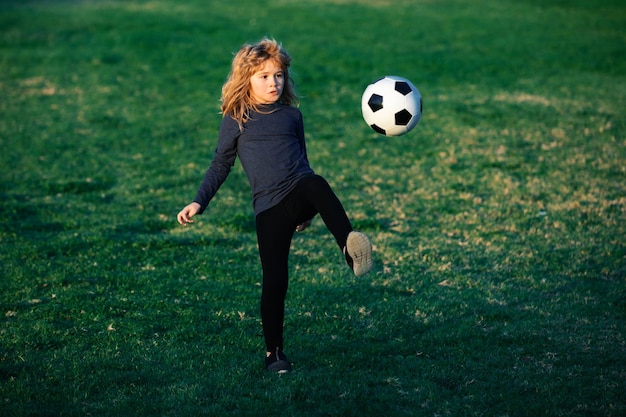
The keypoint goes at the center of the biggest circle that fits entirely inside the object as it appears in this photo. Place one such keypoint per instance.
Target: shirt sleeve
(300, 134)
(223, 160)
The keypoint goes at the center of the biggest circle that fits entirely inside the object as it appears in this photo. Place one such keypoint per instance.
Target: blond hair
(236, 92)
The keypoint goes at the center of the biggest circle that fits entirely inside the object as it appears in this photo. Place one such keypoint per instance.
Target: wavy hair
(236, 92)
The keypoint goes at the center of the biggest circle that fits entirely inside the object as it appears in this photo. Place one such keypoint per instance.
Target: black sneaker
(277, 362)
(358, 253)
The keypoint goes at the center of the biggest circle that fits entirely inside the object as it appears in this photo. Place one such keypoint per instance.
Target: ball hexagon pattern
(391, 106)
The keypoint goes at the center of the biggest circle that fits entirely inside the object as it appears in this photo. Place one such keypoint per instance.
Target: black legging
(275, 228)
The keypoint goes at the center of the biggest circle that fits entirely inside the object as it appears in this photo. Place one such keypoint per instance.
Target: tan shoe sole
(359, 248)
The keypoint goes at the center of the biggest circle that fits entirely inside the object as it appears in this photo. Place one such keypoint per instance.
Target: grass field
(498, 223)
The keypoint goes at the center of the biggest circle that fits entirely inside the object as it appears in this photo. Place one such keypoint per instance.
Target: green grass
(498, 223)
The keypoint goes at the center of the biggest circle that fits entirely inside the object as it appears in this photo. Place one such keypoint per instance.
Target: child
(261, 126)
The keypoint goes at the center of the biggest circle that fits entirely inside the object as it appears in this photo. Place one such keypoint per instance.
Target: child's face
(267, 83)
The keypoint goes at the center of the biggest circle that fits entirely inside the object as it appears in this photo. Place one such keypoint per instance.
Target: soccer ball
(391, 106)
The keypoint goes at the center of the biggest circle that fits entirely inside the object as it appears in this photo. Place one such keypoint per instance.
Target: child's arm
(223, 160)
(185, 215)
(303, 225)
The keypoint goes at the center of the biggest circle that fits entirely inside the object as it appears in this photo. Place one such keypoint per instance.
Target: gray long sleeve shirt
(272, 152)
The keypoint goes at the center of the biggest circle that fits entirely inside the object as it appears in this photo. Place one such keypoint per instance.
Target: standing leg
(274, 234)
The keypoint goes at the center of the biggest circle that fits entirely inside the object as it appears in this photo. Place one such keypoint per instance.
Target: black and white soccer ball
(391, 106)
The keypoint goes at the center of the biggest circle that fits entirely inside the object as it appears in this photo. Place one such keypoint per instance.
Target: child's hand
(304, 225)
(185, 215)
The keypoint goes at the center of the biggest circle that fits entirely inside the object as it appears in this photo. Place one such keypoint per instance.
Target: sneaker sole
(359, 248)
(280, 367)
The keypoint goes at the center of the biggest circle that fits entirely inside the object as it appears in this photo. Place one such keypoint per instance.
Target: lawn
(498, 223)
